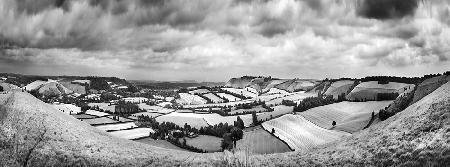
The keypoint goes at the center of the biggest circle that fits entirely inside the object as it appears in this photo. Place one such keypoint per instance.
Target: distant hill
(263, 84)
(151, 84)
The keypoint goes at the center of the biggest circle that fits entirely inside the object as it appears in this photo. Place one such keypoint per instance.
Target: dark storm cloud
(387, 9)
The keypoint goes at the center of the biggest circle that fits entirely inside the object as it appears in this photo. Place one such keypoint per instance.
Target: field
(204, 142)
(256, 109)
(259, 141)
(295, 97)
(247, 92)
(132, 133)
(228, 97)
(194, 120)
(83, 116)
(186, 98)
(104, 106)
(150, 114)
(348, 115)
(159, 143)
(67, 108)
(273, 83)
(219, 104)
(369, 90)
(299, 133)
(35, 85)
(118, 126)
(96, 113)
(155, 109)
(99, 121)
(278, 111)
(120, 119)
(201, 91)
(275, 91)
(74, 87)
(202, 120)
(213, 98)
(339, 87)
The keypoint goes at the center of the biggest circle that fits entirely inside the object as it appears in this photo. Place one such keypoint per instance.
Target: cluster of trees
(398, 105)
(176, 141)
(229, 133)
(126, 108)
(1, 89)
(241, 96)
(387, 96)
(311, 102)
(98, 84)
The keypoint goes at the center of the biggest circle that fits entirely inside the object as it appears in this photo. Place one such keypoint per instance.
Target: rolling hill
(369, 90)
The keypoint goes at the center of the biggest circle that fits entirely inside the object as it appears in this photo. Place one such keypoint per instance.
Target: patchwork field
(247, 92)
(213, 98)
(194, 120)
(278, 111)
(99, 121)
(296, 97)
(149, 114)
(118, 126)
(259, 141)
(369, 90)
(132, 133)
(96, 113)
(299, 133)
(228, 97)
(349, 116)
(104, 106)
(186, 98)
(155, 109)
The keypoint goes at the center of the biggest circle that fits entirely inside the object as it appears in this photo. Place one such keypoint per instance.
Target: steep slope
(428, 86)
(239, 82)
(297, 84)
(339, 87)
(417, 136)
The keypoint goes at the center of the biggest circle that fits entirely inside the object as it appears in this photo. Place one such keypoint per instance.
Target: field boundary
(278, 138)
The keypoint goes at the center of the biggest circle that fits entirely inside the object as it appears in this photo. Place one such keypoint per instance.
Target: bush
(1, 89)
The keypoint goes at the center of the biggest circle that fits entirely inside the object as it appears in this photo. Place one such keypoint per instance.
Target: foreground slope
(417, 136)
(75, 141)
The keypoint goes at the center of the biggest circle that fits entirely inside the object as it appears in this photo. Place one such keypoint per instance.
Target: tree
(334, 123)
(239, 123)
(1, 89)
(226, 142)
(236, 134)
(254, 118)
(273, 131)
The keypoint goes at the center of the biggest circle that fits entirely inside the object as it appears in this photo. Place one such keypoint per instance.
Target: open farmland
(352, 116)
(201, 91)
(149, 114)
(228, 97)
(159, 143)
(186, 98)
(247, 92)
(118, 126)
(194, 120)
(215, 119)
(339, 87)
(104, 106)
(296, 97)
(67, 108)
(213, 98)
(369, 90)
(35, 85)
(299, 133)
(275, 91)
(257, 109)
(259, 141)
(278, 111)
(99, 121)
(205, 142)
(132, 133)
(77, 88)
(96, 113)
(155, 109)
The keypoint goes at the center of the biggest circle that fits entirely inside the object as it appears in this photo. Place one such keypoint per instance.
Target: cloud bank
(215, 40)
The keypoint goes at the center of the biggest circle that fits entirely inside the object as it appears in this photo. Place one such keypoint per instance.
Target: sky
(214, 40)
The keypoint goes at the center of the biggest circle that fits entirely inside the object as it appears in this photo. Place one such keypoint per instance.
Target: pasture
(370, 90)
(213, 98)
(278, 111)
(228, 97)
(205, 142)
(99, 121)
(259, 141)
(299, 133)
(132, 133)
(348, 115)
(96, 113)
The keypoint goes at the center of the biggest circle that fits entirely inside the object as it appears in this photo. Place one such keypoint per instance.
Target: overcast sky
(214, 40)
